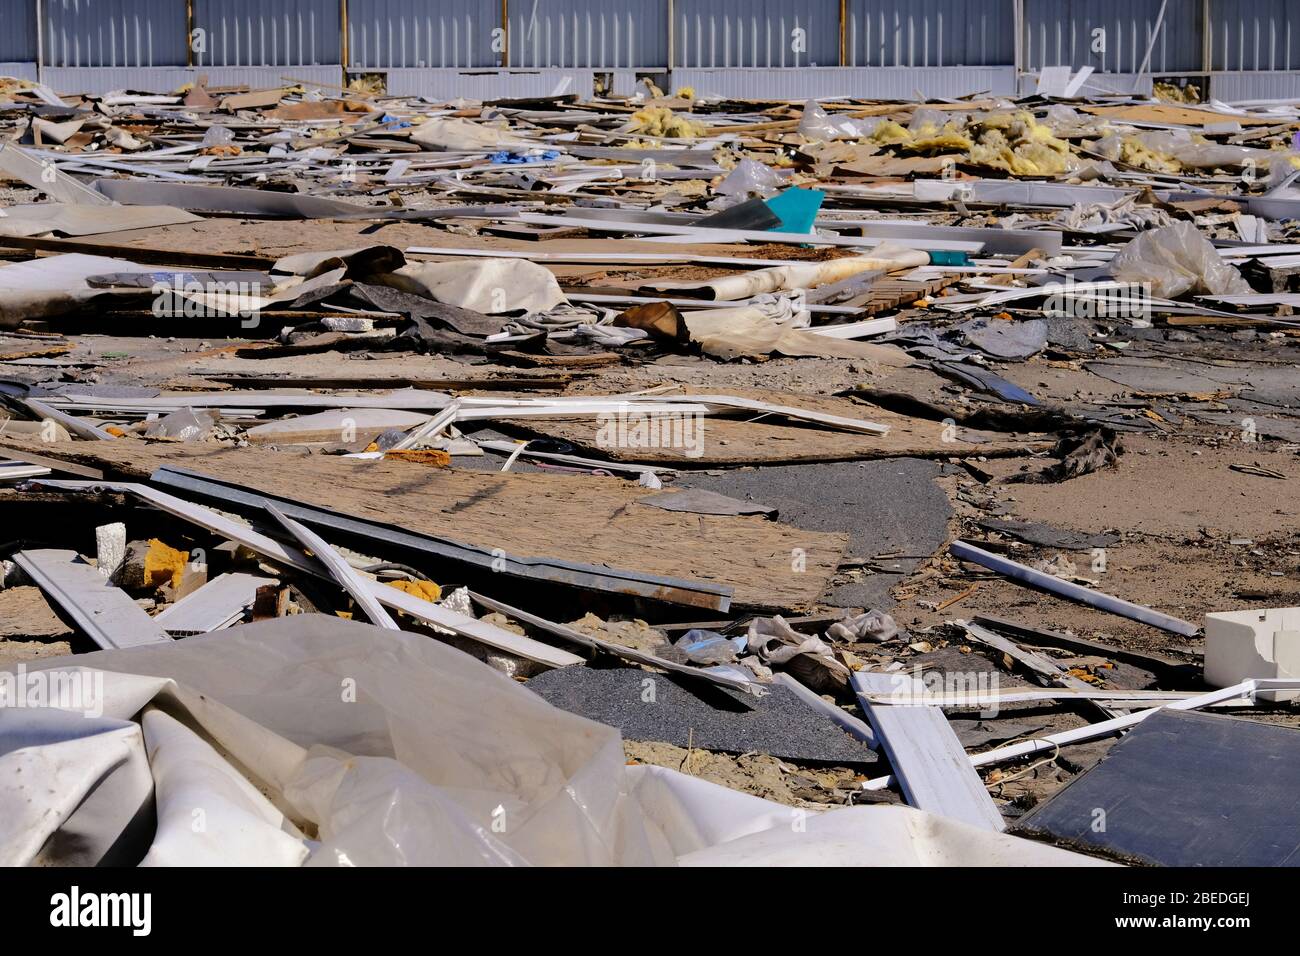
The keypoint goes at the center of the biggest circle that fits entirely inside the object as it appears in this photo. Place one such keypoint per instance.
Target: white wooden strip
(856, 330)
(929, 761)
(105, 612)
(217, 604)
(709, 235)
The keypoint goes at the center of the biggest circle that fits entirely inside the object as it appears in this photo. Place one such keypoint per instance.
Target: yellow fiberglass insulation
(1020, 145)
(1137, 153)
(887, 133)
(661, 121)
(930, 139)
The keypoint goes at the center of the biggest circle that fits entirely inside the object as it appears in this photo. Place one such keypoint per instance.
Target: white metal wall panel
(165, 79)
(756, 33)
(267, 32)
(442, 85)
(23, 71)
(1242, 87)
(589, 33)
(17, 31)
(930, 33)
(1063, 33)
(864, 82)
(1255, 34)
(424, 33)
(135, 33)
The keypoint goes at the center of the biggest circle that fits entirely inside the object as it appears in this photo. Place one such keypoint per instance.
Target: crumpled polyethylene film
(315, 740)
(1176, 259)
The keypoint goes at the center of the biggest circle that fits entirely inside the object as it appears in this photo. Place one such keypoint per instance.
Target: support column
(1018, 15)
(505, 34)
(344, 52)
(40, 42)
(844, 32)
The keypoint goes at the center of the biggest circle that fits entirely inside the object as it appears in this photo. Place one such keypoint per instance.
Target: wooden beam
(141, 254)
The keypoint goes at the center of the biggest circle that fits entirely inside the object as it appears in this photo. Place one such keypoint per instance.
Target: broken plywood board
(1165, 113)
(583, 518)
(737, 441)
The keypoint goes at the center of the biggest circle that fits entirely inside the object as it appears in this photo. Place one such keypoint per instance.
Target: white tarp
(313, 739)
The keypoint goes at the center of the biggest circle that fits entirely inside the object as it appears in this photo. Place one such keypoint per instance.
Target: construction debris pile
(681, 466)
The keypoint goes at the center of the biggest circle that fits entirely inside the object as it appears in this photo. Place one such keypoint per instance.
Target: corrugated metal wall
(1061, 33)
(17, 31)
(762, 33)
(131, 33)
(1254, 45)
(930, 33)
(596, 34)
(421, 33)
(1255, 34)
(267, 32)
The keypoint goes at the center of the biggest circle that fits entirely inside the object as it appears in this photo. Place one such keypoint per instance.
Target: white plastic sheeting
(313, 739)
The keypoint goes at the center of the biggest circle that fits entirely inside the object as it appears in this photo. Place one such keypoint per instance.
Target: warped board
(738, 441)
(582, 518)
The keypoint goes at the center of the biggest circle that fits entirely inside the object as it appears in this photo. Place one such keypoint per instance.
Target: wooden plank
(929, 761)
(845, 721)
(141, 254)
(1046, 669)
(104, 612)
(1166, 668)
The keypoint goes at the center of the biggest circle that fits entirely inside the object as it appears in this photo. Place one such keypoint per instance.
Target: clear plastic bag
(1174, 260)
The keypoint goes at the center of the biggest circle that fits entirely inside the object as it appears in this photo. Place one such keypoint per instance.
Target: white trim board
(930, 763)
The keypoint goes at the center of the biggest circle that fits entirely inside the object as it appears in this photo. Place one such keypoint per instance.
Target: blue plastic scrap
(796, 208)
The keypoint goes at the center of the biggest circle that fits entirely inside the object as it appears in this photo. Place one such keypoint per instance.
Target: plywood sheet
(579, 518)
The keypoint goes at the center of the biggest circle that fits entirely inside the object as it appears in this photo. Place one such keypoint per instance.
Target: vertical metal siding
(930, 33)
(268, 32)
(756, 33)
(1255, 34)
(593, 34)
(1059, 33)
(17, 31)
(135, 33)
(422, 33)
